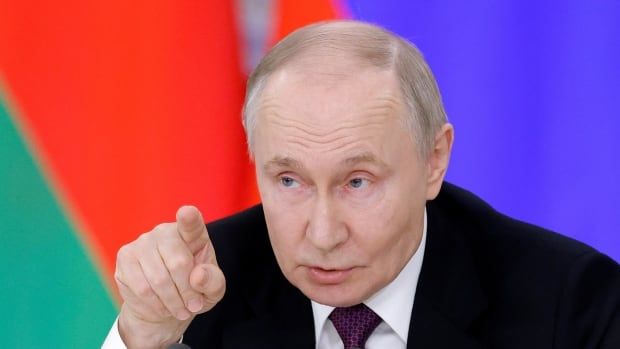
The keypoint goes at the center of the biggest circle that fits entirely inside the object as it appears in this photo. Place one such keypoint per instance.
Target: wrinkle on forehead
(313, 114)
(370, 118)
(328, 136)
(327, 146)
(320, 120)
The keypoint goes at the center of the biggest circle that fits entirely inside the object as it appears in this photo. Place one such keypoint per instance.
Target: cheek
(388, 229)
(285, 233)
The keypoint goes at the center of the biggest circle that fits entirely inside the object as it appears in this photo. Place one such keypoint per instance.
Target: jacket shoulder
(561, 292)
(508, 236)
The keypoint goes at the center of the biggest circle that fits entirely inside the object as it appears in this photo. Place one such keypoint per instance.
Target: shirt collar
(393, 303)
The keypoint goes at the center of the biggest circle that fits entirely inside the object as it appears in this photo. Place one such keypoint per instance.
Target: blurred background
(114, 113)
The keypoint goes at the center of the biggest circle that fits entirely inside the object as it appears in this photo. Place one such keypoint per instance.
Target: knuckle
(180, 263)
(122, 253)
(159, 281)
(144, 291)
(143, 237)
(118, 277)
(163, 228)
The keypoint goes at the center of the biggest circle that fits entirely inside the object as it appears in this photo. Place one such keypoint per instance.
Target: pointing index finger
(191, 228)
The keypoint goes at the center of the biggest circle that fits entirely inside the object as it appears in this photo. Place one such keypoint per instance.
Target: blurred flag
(112, 115)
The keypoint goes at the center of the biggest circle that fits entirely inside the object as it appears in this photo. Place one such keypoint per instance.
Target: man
(358, 242)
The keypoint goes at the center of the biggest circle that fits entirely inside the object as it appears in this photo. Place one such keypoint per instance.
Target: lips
(328, 276)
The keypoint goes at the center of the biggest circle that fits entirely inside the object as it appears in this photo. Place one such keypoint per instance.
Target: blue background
(533, 90)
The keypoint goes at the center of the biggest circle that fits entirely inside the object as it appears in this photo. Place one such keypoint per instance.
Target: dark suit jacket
(487, 281)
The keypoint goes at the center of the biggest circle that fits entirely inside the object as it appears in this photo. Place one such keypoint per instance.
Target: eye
(357, 183)
(289, 182)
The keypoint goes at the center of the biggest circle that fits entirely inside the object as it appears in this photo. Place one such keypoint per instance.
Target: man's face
(342, 184)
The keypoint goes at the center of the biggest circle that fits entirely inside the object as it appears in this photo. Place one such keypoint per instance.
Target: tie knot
(354, 324)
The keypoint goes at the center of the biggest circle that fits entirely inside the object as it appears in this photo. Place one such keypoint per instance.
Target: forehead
(329, 110)
(324, 94)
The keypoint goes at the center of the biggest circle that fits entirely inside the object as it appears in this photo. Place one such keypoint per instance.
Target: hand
(165, 278)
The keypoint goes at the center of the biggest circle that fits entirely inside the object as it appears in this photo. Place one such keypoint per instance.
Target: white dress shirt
(393, 304)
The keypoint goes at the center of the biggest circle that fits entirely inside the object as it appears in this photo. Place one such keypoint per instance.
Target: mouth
(328, 276)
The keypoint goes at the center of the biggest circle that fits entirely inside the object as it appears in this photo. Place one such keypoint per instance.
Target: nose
(326, 230)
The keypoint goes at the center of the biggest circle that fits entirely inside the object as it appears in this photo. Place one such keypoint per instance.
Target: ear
(438, 159)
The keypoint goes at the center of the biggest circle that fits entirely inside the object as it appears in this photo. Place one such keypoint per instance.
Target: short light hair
(368, 44)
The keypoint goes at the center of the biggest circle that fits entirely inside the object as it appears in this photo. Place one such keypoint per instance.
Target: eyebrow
(282, 162)
(365, 157)
(288, 162)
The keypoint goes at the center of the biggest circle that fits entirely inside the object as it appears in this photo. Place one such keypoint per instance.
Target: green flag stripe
(51, 295)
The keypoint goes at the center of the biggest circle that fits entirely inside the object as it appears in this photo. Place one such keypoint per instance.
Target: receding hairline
(365, 45)
(329, 38)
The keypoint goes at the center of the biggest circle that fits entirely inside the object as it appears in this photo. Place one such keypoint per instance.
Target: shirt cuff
(113, 340)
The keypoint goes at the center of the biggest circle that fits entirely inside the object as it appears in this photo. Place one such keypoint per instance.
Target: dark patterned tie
(354, 324)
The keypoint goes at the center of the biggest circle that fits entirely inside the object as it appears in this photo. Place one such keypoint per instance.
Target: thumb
(208, 279)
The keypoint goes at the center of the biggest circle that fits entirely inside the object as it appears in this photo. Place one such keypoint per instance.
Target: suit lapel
(283, 315)
(430, 328)
(449, 298)
(284, 319)
(288, 324)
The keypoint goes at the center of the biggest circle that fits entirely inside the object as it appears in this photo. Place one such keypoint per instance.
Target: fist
(165, 278)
